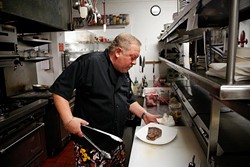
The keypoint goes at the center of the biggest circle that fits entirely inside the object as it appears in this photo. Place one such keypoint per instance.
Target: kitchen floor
(64, 159)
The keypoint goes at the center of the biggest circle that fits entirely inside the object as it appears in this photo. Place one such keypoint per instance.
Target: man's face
(126, 58)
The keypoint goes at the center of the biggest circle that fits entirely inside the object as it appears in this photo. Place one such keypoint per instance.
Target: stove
(22, 128)
(7, 106)
(33, 95)
(55, 134)
(16, 109)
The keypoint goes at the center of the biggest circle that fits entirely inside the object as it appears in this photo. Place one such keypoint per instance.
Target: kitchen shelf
(216, 86)
(99, 27)
(190, 25)
(35, 59)
(86, 24)
(33, 41)
(210, 14)
(199, 15)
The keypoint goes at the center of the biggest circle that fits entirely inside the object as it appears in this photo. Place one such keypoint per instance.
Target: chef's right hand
(74, 126)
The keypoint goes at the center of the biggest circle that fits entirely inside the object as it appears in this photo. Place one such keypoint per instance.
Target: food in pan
(153, 133)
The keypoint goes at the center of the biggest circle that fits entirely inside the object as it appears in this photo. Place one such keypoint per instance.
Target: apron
(87, 155)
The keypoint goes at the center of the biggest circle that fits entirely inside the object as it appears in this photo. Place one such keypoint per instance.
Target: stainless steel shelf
(35, 59)
(206, 14)
(199, 15)
(33, 41)
(216, 86)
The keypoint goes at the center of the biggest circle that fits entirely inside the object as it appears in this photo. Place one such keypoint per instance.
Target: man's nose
(134, 62)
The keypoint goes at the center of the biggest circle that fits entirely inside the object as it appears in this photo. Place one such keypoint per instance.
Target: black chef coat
(103, 95)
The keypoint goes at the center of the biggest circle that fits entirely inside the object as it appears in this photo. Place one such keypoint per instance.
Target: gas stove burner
(10, 105)
(33, 95)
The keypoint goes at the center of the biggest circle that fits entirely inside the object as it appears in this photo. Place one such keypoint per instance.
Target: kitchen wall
(144, 26)
(49, 70)
(141, 24)
(20, 79)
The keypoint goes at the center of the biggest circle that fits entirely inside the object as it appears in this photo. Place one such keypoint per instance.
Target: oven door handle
(21, 138)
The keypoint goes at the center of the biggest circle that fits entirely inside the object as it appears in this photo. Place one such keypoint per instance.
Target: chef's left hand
(147, 118)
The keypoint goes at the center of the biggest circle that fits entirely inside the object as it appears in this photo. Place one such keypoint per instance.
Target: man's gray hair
(124, 40)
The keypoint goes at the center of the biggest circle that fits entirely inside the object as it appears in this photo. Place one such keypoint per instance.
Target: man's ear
(118, 51)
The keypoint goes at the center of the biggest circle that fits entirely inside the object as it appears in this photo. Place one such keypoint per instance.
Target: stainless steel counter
(178, 152)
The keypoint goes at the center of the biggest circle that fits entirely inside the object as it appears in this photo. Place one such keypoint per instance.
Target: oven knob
(31, 117)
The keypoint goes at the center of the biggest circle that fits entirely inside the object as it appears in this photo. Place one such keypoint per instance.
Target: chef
(103, 95)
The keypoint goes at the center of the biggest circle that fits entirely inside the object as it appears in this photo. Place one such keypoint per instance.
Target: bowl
(39, 87)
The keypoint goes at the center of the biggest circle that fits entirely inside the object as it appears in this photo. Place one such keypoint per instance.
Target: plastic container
(151, 99)
(175, 111)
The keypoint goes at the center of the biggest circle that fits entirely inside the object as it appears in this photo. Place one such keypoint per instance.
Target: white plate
(168, 134)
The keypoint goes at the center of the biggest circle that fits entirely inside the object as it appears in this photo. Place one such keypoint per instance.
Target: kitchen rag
(242, 70)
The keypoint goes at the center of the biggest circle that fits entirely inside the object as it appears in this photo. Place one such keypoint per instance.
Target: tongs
(113, 137)
(103, 153)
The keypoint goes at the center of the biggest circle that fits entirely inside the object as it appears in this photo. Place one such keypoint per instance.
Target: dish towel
(242, 70)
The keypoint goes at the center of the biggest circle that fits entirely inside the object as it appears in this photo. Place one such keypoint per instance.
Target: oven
(55, 134)
(8, 41)
(22, 135)
(8, 45)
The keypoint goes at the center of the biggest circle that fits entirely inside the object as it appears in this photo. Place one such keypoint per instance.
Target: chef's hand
(147, 118)
(74, 126)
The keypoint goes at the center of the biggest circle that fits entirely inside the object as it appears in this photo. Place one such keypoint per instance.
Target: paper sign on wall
(61, 47)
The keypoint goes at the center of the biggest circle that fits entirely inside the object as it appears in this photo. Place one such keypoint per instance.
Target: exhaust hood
(31, 16)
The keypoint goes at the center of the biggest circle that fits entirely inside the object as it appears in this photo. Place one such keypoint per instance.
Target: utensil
(143, 63)
(39, 87)
(153, 67)
(103, 153)
(112, 136)
(109, 146)
(192, 164)
(140, 64)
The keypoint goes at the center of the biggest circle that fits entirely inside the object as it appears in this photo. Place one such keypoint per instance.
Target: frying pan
(39, 87)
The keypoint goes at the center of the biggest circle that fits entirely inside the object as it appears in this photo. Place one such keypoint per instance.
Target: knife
(140, 64)
(143, 63)
(153, 67)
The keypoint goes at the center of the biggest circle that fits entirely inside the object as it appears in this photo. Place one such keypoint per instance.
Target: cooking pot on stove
(39, 87)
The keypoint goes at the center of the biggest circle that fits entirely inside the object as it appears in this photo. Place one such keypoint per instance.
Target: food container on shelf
(175, 111)
(151, 99)
(156, 95)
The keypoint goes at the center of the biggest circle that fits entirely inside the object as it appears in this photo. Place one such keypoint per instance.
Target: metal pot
(38, 87)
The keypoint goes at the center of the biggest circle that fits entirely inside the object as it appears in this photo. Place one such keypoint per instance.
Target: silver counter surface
(178, 152)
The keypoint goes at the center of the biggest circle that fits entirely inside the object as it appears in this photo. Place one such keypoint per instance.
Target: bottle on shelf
(136, 87)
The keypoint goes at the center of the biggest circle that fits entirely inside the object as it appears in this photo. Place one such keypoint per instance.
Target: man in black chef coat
(103, 90)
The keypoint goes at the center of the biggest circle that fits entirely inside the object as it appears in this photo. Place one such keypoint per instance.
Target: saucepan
(39, 87)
